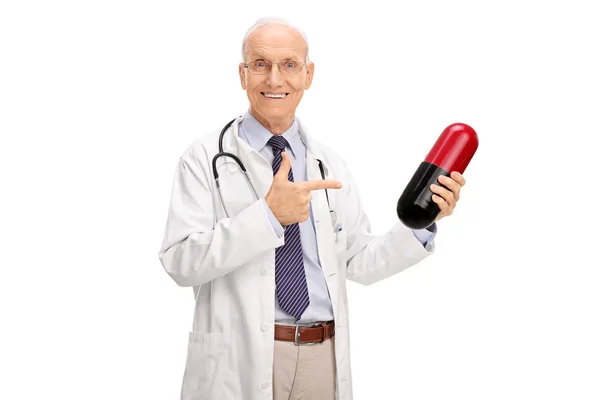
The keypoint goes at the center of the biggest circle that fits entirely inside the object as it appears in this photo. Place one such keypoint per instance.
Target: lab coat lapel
(320, 210)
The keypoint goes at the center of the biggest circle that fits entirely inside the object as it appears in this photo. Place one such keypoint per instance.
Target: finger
(457, 176)
(451, 184)
(321, 184)
(284, 169)
(445, 209)
(447, 195)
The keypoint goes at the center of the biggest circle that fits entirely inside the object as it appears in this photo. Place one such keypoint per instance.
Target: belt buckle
(297, 335)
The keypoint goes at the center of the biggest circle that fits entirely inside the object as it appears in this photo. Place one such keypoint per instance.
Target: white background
(99, 99)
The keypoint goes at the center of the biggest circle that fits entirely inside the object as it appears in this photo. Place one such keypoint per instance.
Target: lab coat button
(265, 385)
(265, 327)
(263, 271)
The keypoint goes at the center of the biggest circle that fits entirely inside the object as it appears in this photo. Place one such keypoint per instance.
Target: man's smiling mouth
(274, 95)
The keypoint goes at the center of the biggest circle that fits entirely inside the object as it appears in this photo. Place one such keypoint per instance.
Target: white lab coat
(230, 263)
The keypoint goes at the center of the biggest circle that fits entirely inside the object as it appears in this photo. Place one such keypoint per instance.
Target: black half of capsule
(416, 208)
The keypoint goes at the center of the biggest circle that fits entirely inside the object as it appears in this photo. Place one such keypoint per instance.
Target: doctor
(268, 262)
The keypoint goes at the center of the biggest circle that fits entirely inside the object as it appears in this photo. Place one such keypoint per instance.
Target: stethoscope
(239, 162)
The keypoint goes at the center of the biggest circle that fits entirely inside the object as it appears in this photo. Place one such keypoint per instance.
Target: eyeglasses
(262, 67)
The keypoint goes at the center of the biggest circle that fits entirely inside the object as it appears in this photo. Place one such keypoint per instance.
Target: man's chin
(276, 113)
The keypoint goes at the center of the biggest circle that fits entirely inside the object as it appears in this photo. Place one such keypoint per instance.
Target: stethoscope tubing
(239, 162)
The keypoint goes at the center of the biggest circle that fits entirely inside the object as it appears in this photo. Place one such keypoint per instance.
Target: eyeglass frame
(303, 64)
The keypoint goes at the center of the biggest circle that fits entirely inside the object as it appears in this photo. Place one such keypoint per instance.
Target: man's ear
(310, 71)
(242, 71)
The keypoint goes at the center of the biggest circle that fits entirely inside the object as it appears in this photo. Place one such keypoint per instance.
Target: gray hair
(268, 21)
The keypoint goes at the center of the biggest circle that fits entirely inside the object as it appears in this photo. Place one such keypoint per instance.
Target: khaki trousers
(305, 372)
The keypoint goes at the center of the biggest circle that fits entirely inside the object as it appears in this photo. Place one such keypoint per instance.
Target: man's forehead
(266, 51)
(276, 39)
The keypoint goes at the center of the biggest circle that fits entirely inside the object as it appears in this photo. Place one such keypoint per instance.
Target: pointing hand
(289, 201)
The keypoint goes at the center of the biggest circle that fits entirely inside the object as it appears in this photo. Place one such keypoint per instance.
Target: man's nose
(275, 77)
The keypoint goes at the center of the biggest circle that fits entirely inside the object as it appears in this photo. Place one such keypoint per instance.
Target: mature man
(269, 260)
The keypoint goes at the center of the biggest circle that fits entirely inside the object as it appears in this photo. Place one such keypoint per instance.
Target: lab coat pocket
(202, 380)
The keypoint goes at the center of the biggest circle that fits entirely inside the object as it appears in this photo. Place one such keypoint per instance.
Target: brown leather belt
(305, 334)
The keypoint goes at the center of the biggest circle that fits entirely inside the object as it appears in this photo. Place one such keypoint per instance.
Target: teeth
(275, 96)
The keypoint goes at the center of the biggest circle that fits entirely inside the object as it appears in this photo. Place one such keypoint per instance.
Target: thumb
(284, 169)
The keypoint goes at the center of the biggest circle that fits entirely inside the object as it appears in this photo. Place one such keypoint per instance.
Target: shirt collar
(258, 135)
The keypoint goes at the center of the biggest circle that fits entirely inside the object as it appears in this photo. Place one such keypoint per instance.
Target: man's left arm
(371, 258)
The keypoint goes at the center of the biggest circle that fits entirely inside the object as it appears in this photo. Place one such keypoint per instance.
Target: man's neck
(275, 127)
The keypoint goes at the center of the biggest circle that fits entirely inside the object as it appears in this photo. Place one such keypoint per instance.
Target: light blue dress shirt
(319, 309)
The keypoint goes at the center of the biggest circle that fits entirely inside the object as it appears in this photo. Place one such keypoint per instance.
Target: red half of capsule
(454, 148)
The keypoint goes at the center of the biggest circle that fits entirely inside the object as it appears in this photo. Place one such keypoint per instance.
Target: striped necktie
(290, 278)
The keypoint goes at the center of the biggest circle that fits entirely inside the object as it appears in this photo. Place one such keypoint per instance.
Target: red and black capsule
(451, 152)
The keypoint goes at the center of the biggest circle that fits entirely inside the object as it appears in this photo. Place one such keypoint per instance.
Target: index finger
(457, 176)
(322, 184)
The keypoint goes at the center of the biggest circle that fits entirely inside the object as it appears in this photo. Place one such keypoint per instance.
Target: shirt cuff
(425, 236)
(274, 223)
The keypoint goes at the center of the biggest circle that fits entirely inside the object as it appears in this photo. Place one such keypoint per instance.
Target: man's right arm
(195, 248)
